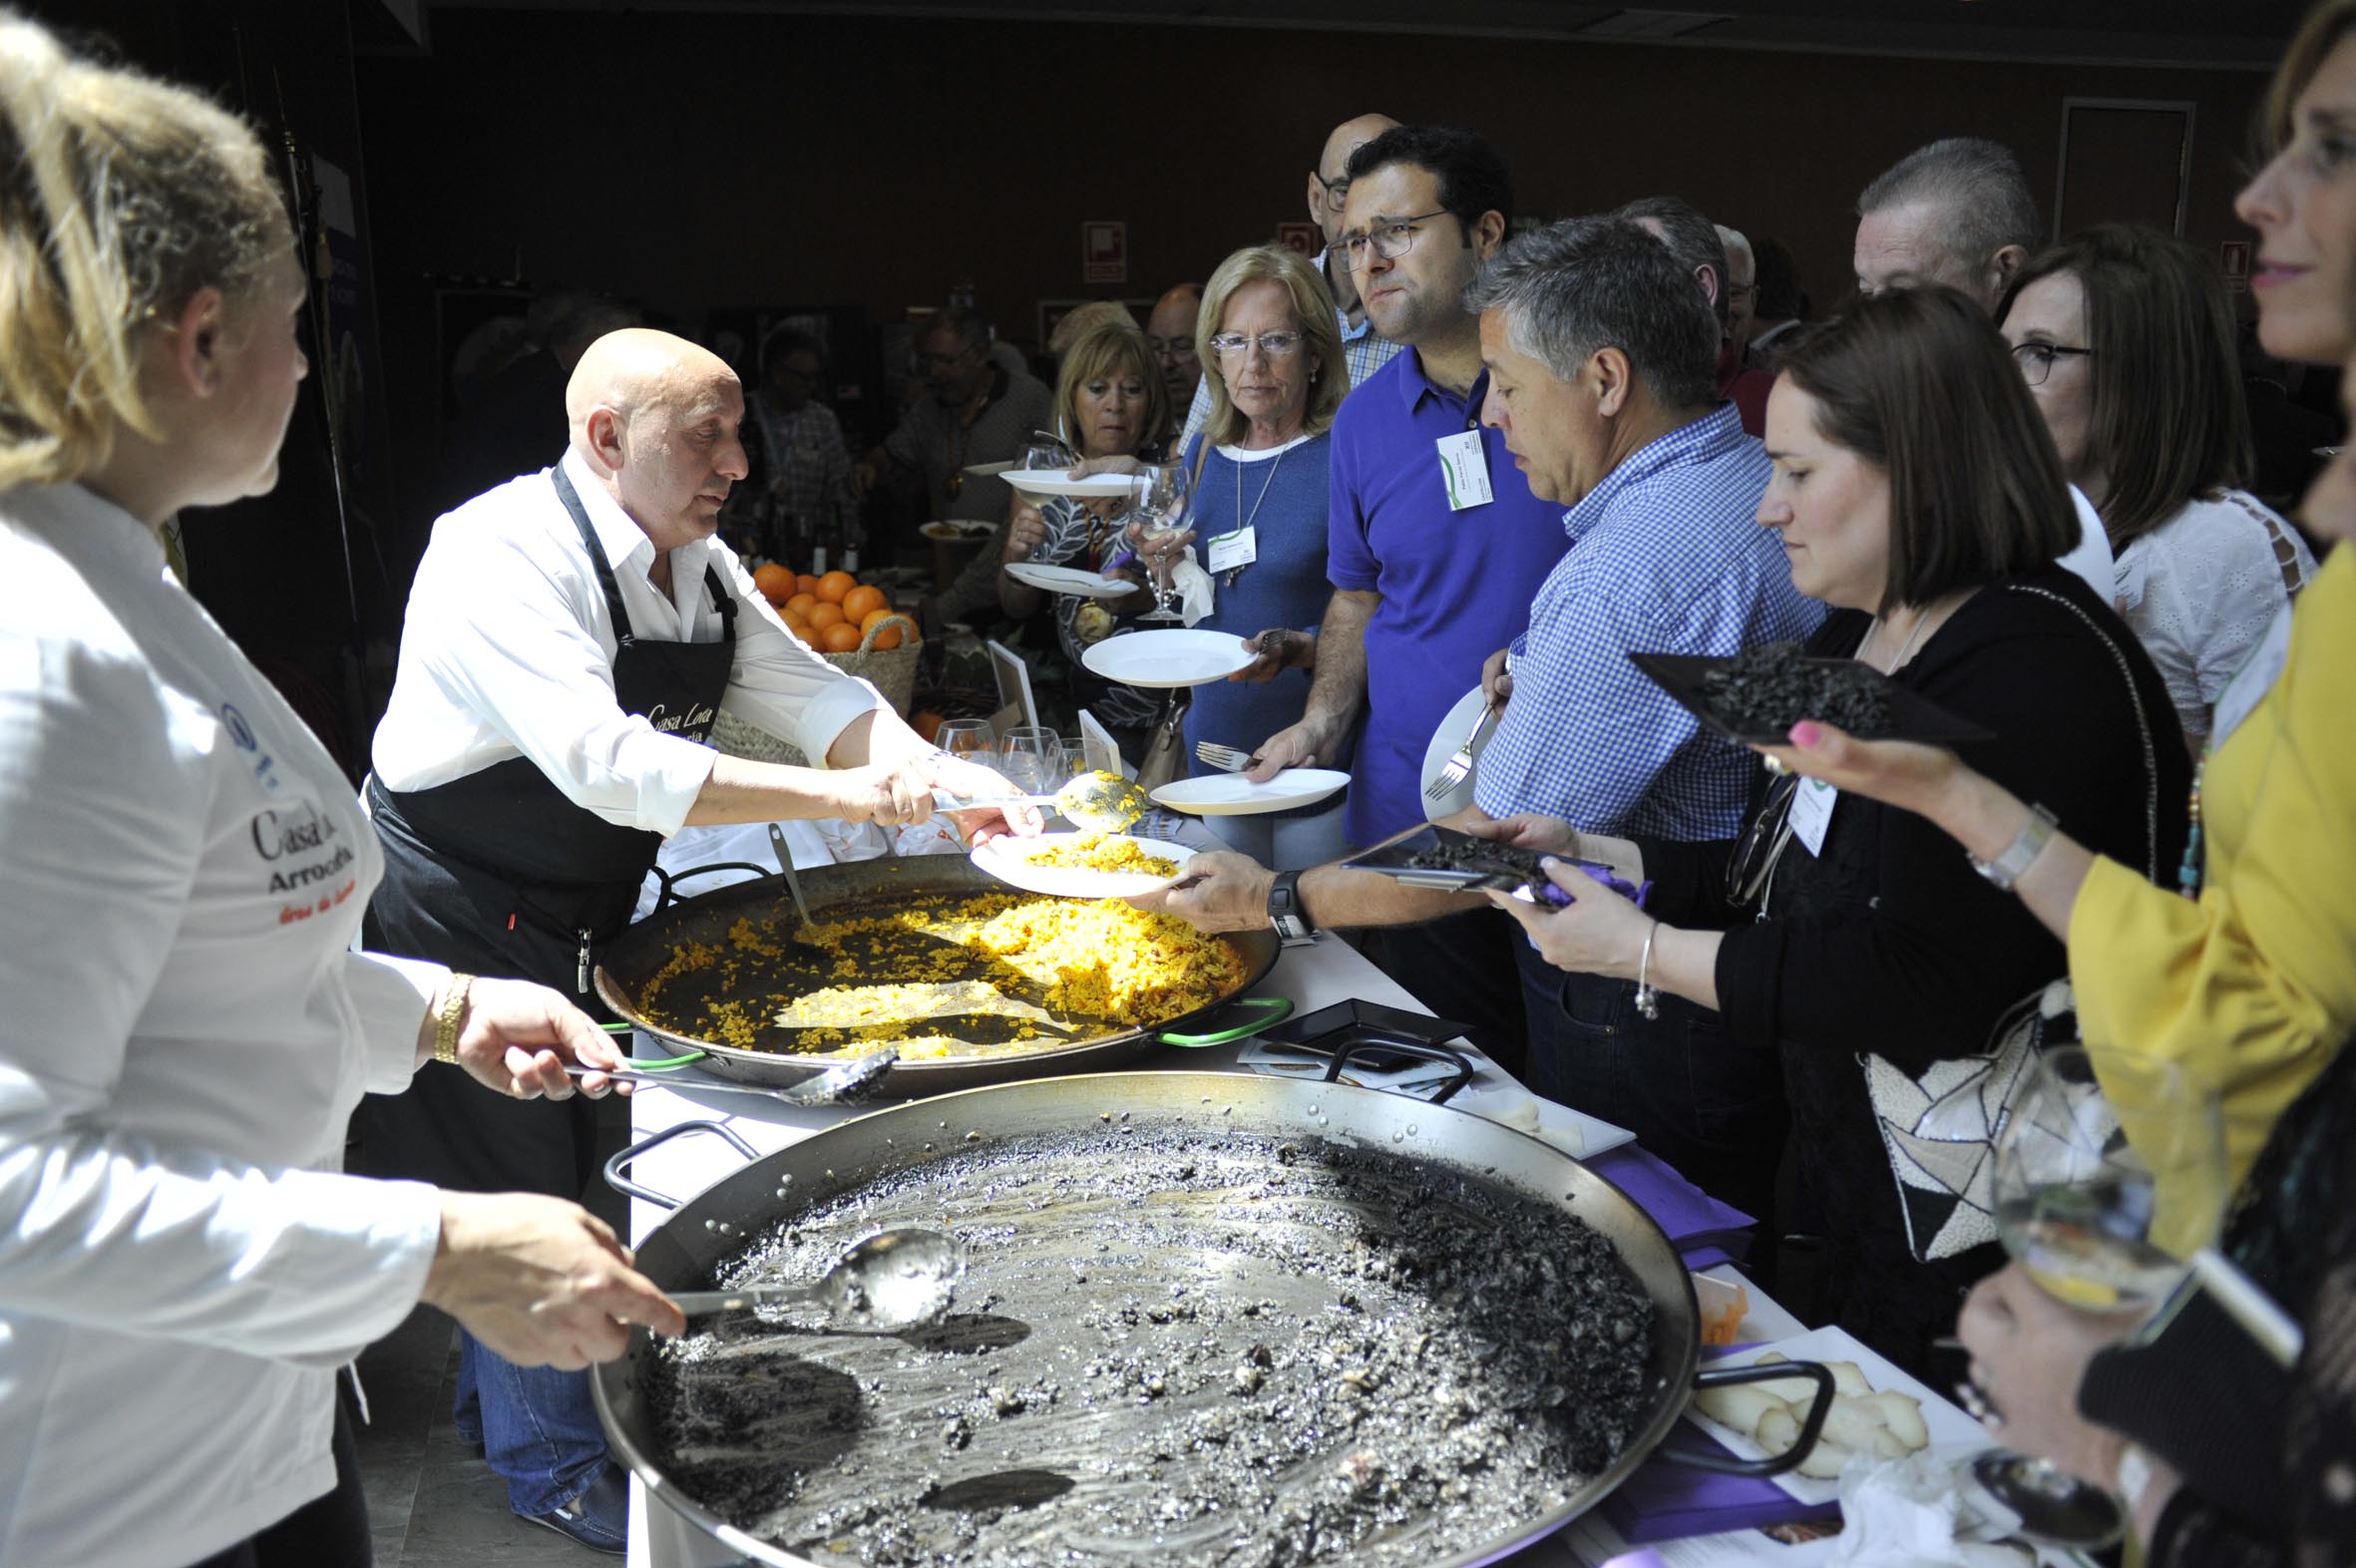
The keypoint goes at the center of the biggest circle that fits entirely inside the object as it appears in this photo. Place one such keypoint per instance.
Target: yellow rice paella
(942, 975)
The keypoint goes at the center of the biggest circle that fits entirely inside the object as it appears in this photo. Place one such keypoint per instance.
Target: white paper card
(1811, 813)
(1013, 681)
(1102, 751)
(1464, 469)
(1229, 551)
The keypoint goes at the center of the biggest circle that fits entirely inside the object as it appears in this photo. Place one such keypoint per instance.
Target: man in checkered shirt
(1600, 354)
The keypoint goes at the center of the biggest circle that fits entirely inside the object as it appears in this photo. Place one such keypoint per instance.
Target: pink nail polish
(1805, 733)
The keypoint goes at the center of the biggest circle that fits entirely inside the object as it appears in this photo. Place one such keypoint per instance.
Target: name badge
(1229, 551)
(1811, 813)
(2253, 679)
(2127, 575)
(1464, 469)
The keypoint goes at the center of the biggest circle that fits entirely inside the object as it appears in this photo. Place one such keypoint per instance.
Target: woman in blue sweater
(1272, 359)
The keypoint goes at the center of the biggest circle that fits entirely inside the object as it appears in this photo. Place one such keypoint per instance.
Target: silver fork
(1225, 758)
(1460, 764)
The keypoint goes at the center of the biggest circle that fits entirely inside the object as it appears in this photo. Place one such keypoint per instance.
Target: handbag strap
(2135, 703)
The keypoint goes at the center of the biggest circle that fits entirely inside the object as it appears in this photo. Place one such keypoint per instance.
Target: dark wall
(709, 159)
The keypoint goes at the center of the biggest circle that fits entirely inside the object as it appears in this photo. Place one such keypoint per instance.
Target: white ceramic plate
(987, 469)
(1233, 795)
(952, 529)
(1953, 1434)
(1163, 661)
(1008, 859)
(1445, 741)
(1057, 482)
(1069, 579)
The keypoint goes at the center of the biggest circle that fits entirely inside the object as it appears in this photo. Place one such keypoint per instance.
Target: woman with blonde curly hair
(187, 1031)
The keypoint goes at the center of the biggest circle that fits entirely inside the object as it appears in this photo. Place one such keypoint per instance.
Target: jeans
(537, 1424)
(1710, 1106)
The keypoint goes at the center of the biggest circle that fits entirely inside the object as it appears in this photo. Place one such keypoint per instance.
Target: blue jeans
(538, 1425)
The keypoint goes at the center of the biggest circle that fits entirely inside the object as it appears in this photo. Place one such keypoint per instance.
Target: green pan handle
(1265, 1009)
(651, 1067)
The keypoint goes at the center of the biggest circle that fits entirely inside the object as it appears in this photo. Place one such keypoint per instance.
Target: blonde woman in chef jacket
(183, 1031)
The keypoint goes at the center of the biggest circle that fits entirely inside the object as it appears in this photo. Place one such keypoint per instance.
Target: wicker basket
(892, 672)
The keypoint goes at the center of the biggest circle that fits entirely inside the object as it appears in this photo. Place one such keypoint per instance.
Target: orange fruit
(889, 637)
(863, 600)
(800, 603)
(806, 584)
(795, 625)
(841, 638)
(927, 725)
(775, 582)
(822, 615)
(834, 585)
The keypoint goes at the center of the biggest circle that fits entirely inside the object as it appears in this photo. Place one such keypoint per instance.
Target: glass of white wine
(2109, 1174)
(1162, 503)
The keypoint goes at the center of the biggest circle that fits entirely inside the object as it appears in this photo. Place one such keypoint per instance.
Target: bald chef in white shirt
(569, 637)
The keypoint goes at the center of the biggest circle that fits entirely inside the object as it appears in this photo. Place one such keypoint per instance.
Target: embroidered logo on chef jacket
(241, 735)
(301, 845)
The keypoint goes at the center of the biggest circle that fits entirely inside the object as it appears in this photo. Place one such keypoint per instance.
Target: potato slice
(1850, 1379)
(1901, 1414)
(1741, 1405)
(1779, 1430)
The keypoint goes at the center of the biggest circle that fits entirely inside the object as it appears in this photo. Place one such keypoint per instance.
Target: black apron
(498, 874)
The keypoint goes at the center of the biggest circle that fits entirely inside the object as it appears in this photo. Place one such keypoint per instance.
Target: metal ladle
(843, 1081)
(888, 1282)
(1100, 801)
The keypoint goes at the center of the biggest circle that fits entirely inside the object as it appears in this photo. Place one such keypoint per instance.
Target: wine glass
(1031, 757)
(972, 739)
(2109, 1174)
(1162, 501)
(1047, 453)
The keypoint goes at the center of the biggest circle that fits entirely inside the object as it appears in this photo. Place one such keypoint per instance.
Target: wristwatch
(2006, 868)
(1293, 929)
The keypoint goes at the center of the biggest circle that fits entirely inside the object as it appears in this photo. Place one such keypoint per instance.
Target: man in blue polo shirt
(1434, 543)
(1601, 359)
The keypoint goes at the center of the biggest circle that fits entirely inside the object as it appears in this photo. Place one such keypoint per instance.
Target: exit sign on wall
(1104, 251)
(2234, 261)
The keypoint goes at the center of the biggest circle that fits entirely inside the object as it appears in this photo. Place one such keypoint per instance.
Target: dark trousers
(1461, 967)
(1709, 1105)
(326, 1532)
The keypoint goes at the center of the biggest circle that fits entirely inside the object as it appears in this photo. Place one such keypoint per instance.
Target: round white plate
(1069, 579)
(1057, 482)
(1163, 661)
(1007, 859)
(987, 469)
(952, 529)
(1233, 795)
(1445, 741)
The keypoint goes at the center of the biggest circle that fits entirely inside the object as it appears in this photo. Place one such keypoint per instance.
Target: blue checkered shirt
(1364, 349)
(1666, 557)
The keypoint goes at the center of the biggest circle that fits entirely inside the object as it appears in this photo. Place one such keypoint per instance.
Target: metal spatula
(888, 1282)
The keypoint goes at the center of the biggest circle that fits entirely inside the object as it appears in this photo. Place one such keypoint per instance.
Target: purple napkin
(1695, 1221)
(1659, 1502)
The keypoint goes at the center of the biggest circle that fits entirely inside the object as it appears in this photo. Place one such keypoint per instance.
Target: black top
(1890, 946)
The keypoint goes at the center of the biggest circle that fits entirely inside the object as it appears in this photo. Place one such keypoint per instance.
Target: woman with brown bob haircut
(2125, 341)
(1917, 493)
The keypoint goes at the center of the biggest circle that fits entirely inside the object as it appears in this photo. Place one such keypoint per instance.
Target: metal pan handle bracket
(1371, 1040)
(1716, 1459)
(667, 880)
(621, 1161)
(1266, 1011)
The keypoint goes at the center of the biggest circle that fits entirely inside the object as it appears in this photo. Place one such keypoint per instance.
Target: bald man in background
(1364, 349)
(569, 637)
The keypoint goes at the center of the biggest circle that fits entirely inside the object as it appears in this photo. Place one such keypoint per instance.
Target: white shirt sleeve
(509, 641)
(120, 1218)
(777, 682)
(392, 996)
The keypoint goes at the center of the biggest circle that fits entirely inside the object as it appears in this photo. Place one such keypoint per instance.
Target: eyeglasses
(1275, 345)
(1170, 347)
(1337, 190)
(922, 359)
(1387, 240)
(1753, 864)
(2036, 359)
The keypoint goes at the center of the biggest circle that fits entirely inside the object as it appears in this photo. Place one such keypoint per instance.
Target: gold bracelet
(454, 1002)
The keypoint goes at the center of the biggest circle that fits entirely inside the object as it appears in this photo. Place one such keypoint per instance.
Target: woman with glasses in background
(1917, 493)
(2125, 339)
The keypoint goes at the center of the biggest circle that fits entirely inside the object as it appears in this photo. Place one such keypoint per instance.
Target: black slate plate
(1911, 716)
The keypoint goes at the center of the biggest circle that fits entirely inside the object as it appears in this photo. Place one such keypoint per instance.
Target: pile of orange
(830, 614)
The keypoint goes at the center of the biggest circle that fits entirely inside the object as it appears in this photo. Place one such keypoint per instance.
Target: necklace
(2189, 870)
(1241, 520)
(961, 432)
(1922, 623)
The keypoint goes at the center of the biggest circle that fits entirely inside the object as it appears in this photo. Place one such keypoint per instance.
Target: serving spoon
(843, 1081)
(888, 1282)
(1100, 801)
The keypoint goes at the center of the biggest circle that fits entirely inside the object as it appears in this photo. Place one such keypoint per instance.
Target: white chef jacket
(507, 650)
(183, 1037)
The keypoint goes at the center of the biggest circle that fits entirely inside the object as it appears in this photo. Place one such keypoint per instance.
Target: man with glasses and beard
(975, 411)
